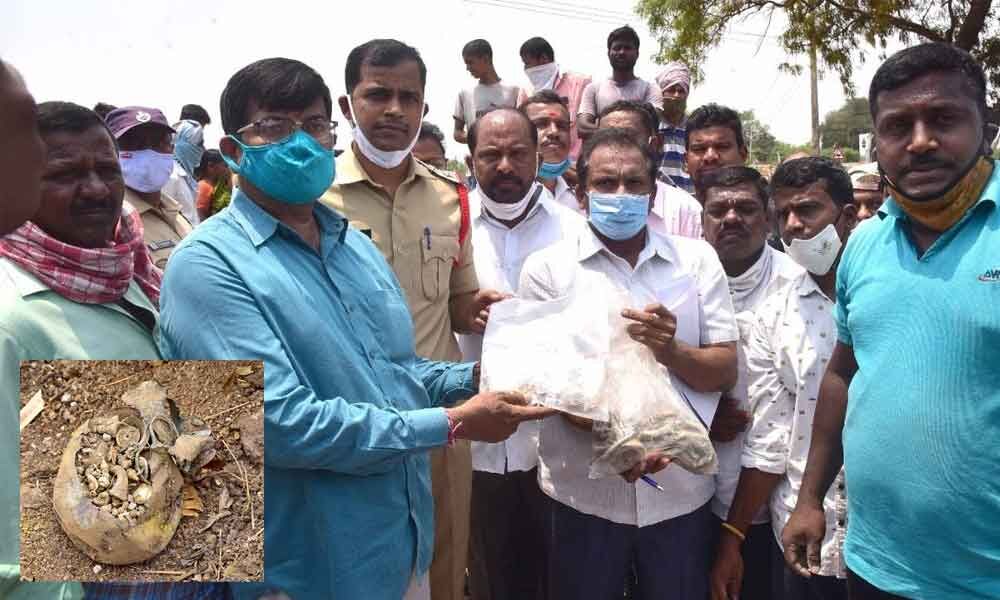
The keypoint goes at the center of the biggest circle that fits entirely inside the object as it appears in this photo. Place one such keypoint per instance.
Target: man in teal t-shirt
(910, 402)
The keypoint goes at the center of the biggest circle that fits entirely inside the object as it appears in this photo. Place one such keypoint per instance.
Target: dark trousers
(590, 557)
(792, 586)
(757, 557)
(507, 536)
(859, 589)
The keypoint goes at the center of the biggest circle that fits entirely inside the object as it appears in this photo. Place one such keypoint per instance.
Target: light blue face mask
(618, 216)
(296, 170)
(552, 170)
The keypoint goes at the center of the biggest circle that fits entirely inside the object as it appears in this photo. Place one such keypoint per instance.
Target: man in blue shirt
(910, 403)
(350, 410)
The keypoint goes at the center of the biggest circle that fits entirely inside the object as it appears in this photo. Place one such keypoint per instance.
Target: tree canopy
(837, 28)
(843, 125)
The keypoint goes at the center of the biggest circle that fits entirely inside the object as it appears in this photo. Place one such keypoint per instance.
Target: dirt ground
(221, 394)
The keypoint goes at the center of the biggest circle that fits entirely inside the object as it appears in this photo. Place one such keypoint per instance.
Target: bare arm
(803, 534)
(709, 368)
(826, 452)
(586, 125)
(459, 133)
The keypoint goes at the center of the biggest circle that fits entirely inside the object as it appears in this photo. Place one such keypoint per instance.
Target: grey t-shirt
(474, 102)
(600, 94)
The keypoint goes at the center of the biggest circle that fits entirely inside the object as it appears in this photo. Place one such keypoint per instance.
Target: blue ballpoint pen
(651, 482)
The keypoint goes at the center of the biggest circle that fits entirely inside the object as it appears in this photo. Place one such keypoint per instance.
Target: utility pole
(814, 93)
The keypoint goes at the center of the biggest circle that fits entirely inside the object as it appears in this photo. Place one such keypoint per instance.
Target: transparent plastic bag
(646, 415)
(552, 351)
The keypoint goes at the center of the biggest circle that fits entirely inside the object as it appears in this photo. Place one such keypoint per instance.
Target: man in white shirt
(789, 346)
(549, 115)
(513, 219)
(675, 212)
(737, 226)
(488, 94)
(599, 528)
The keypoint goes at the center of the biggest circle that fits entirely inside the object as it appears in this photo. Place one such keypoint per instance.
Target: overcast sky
(166, 54)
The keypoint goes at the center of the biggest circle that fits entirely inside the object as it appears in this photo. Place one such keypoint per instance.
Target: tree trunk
(968, 35)
(814, 98)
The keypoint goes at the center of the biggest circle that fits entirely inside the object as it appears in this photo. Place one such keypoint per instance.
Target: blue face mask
(553, 170)
(296, 170)
(618, 216)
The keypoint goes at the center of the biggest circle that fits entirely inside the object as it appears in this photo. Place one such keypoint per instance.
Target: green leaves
(839, 29)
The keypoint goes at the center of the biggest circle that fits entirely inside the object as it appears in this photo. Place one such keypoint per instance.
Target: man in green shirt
(76, 282)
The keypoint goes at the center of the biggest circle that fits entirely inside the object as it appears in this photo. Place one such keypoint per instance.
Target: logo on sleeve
(990, 276)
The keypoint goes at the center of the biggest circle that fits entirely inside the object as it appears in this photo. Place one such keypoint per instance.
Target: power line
(513, 5)
(601, 11)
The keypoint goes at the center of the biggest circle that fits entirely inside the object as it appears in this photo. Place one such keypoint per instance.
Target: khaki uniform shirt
(163, 226)
(417, 232)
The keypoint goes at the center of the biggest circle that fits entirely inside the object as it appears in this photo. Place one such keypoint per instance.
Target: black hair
(474, 128)
(623, 34)
(802, 172)
(910, 63)
(103, 108)
(715, 115)
(432, 131)
(731, 177)
(546, 97)
(617, 137)
(195, 112)
(380, 53)
(479, 48)
(274, 84)
(56, 117)
(643, 109)
(209, 158)
(537, 47)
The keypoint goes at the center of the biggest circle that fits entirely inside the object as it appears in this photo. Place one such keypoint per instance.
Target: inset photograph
(142, 470)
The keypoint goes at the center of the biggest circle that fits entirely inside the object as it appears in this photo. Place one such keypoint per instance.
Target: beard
(674, 110)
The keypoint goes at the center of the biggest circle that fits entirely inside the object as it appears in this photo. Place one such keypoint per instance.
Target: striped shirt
(672, 163)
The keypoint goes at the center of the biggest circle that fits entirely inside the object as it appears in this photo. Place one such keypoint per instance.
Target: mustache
(80, 206)
(734, 229)
(507, 179)
(923, 163)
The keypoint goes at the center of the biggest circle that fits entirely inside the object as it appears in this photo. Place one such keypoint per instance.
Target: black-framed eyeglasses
(277, 129)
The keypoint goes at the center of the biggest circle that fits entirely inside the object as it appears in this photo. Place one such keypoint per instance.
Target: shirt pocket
(680, 296)
(390, 320)
(439, 253)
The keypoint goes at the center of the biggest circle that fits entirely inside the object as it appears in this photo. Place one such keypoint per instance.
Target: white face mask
(145, 170)
(508, 211)
(543, 77)
(818, 253)
(387, 159)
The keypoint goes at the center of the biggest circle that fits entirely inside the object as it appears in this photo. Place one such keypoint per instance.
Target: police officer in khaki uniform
(417, 217)
(145, 151)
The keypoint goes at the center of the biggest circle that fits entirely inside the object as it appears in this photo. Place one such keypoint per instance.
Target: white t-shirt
(474, 102)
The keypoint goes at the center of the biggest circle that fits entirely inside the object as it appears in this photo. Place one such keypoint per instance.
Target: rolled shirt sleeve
(772, 406)
(588, 103)
(840, 310)
(446, 383)
(208, 313)
(654, 95)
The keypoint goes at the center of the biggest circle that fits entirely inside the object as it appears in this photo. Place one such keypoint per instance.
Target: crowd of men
(838, 335)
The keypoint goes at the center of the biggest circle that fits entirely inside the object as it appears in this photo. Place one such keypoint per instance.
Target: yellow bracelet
(733, 530)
